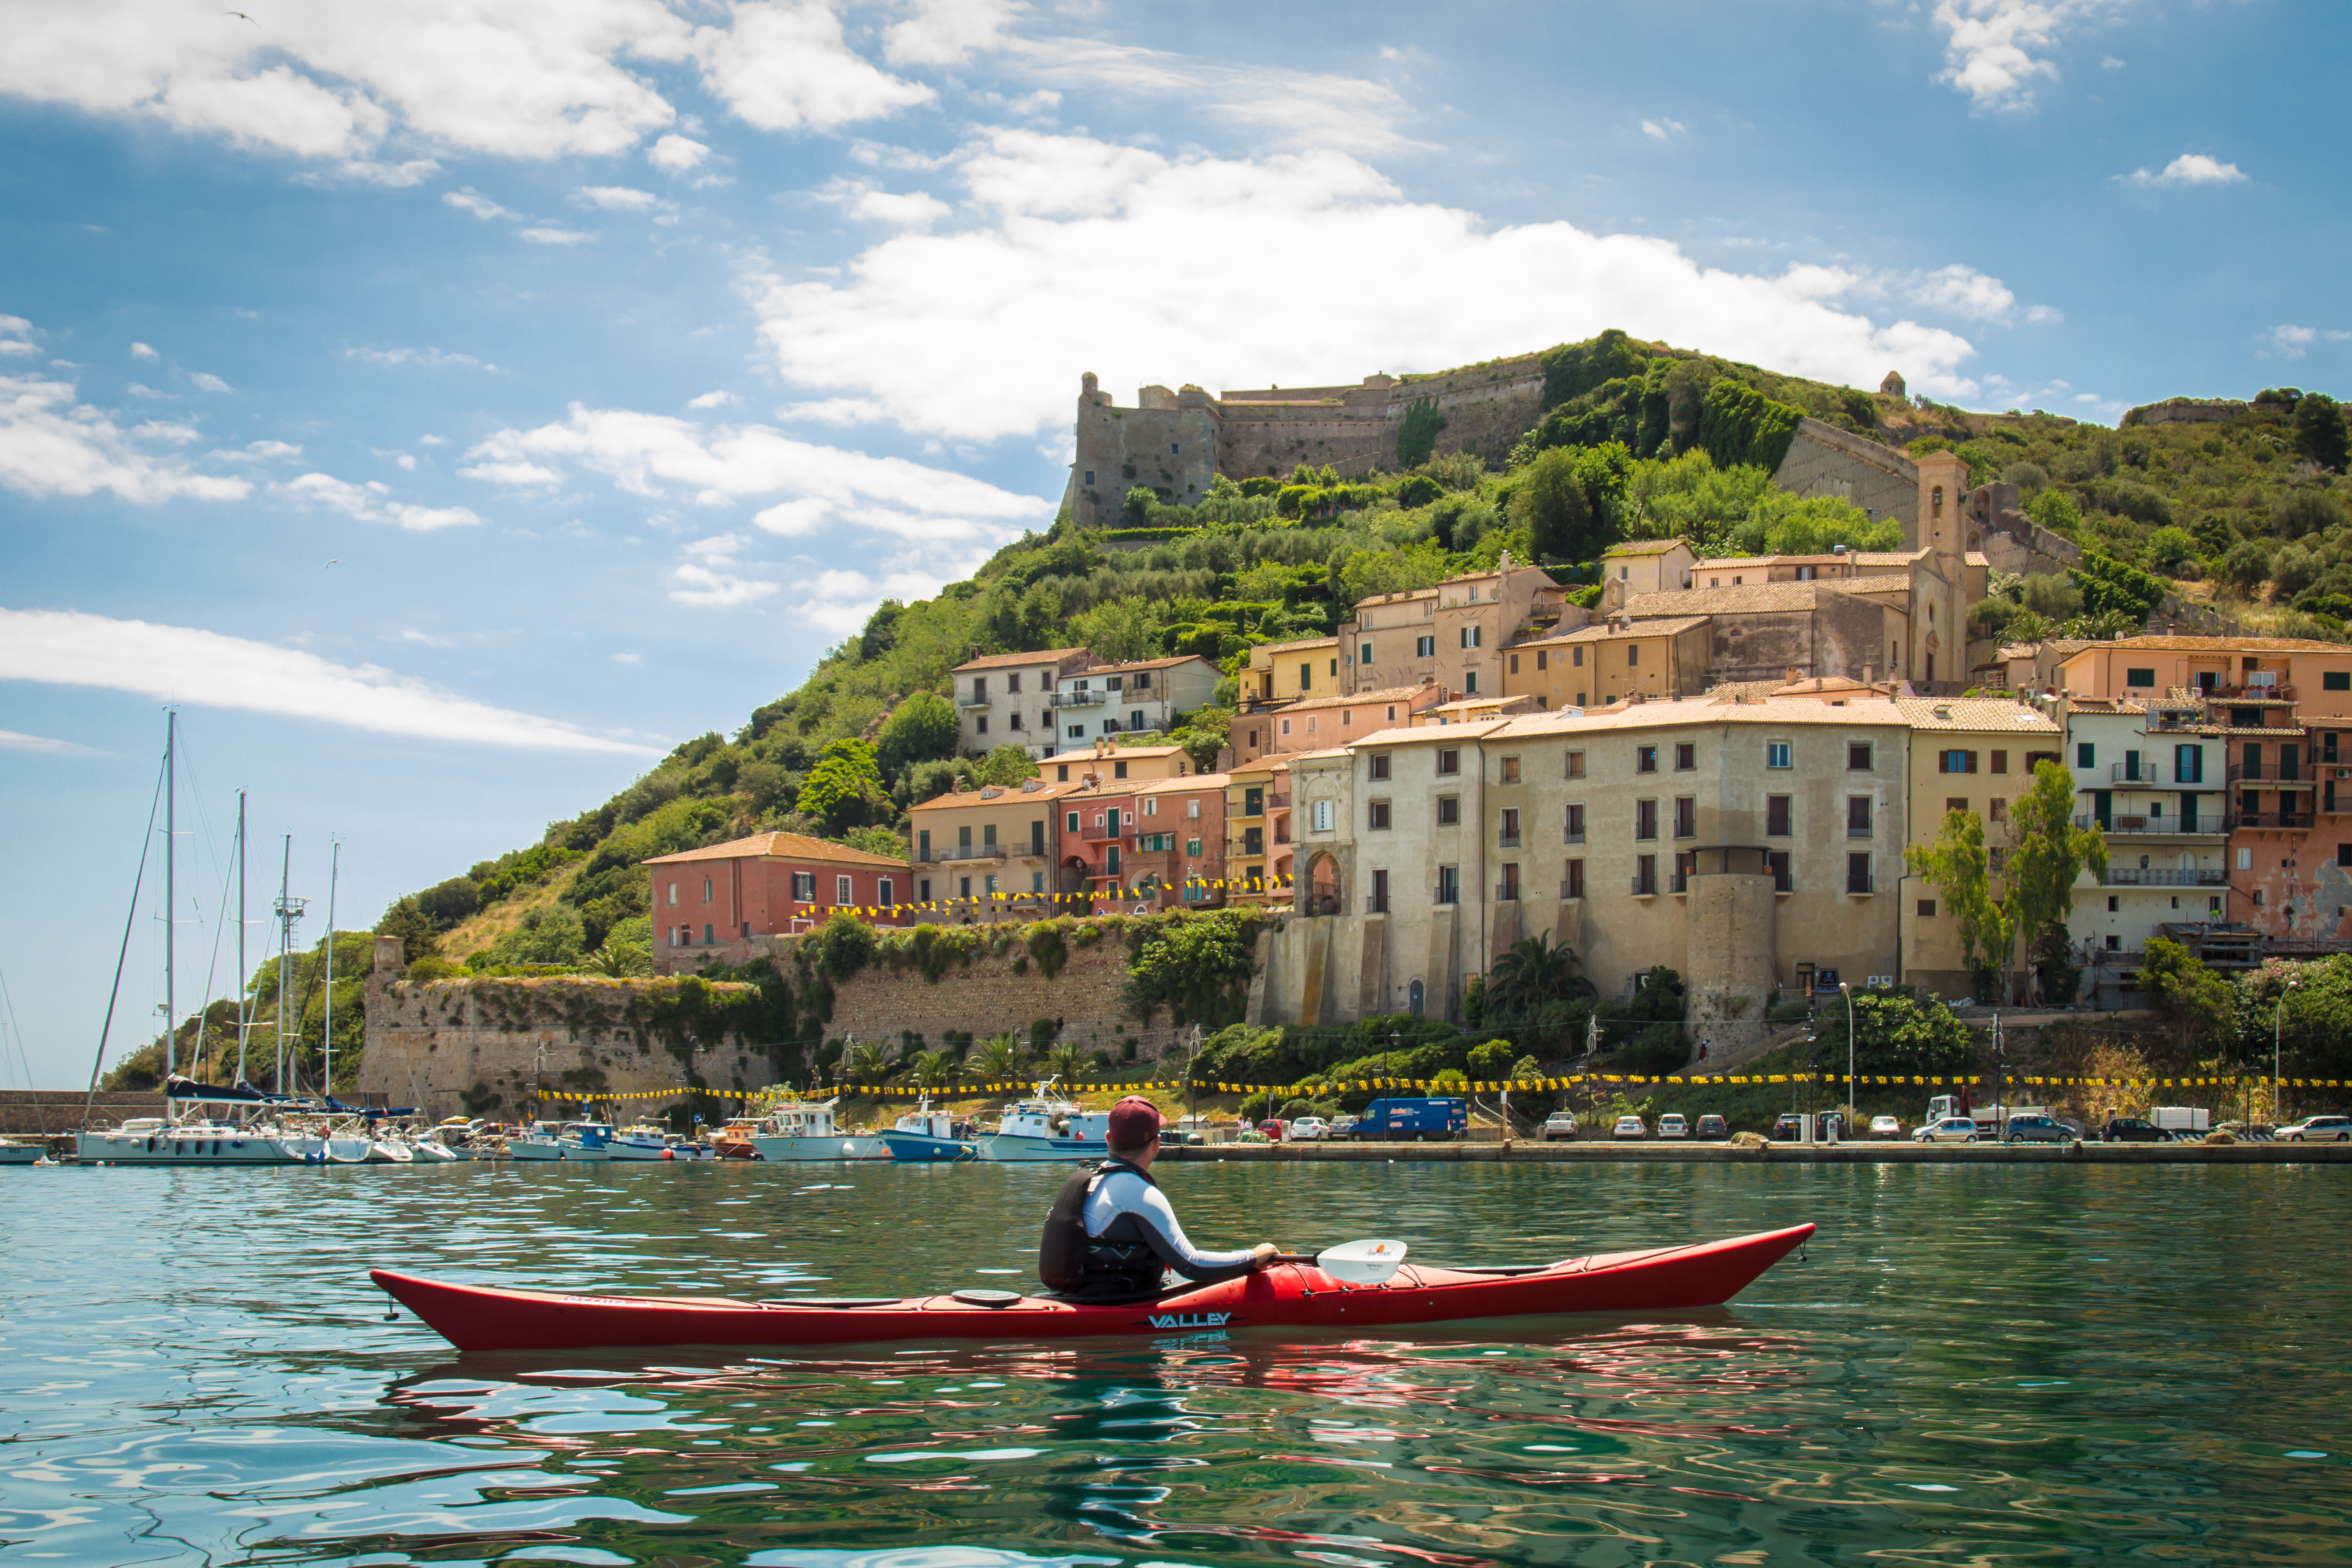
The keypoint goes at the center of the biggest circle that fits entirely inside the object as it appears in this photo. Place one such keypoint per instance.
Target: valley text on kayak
(1111, 1233)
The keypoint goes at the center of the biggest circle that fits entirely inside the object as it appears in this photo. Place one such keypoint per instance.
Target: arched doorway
(1415, 997)
(1323, 885)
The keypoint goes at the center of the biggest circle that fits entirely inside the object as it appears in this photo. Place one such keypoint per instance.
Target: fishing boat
(533, 1140)
(590, 1141)
(924, 1134)
(641, 1140)
(15, 1154)
(1047, 1126)
(1324, 1293)
(805, 1130)
(733, 1141)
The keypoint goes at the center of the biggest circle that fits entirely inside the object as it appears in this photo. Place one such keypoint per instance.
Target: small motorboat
(15, 1154)
(806, 1129)
(733, 1141)
(590, 1141)
(641, 1140)
(533, 1140)
(1298, 1293)
(1047, 1126)
(924, 1134)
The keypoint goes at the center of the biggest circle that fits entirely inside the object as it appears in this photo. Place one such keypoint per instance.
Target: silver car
(1886, 1127)
(2319, 1130)
(1630, 1126)
(1949, 1129)
(1559, 1124)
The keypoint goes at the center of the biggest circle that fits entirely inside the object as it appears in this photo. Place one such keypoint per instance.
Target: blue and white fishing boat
(924, 1134)
(805, 1130)
(590, 1141)
(1047, 1126)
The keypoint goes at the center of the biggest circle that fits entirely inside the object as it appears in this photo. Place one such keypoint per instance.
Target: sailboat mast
(244, 975)
(171, 898)
(327, 1034)
(284, 956)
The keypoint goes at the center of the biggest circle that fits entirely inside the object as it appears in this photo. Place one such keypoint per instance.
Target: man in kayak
(1111, 1235)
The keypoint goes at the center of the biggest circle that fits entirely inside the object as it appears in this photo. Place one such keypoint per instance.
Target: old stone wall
(1823, 460)
(29, 1114)
(1002, 994)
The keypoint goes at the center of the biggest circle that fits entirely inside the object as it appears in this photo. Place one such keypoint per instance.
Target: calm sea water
(2029, 1364)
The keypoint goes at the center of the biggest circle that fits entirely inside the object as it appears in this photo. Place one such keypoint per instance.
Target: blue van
(1414, 1120)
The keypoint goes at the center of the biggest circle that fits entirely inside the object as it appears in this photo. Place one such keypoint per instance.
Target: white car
(2318, 1130)
(1948, 1130)
(1559, 1124)
(1310, 1130)
(1630, 1126)
(1671, 1125)
(1886, 1127)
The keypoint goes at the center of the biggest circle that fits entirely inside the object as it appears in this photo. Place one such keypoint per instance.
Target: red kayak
(1294, 1295)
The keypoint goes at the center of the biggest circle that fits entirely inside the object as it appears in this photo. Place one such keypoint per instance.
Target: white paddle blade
(1361, 1262)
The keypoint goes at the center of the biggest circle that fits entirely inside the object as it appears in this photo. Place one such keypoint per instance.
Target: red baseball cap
(1134, 1122)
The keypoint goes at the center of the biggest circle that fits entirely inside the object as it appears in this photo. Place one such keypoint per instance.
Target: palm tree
(1532, 972)
(998, 1057)
(1067, 1062)
(865, 1062)
(932, 1069)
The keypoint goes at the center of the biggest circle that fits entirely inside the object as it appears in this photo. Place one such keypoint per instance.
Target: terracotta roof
(1778, 712)
(1820, 683)
(1746, 599)
(1398, 597)
(1887, 585)
(777, 845)
(2223, 644)
(2104, 705)
(1644, 547)
(1354, 700)
(963, 799)
(1974, 713)
(1486, 704)
(1118, 754)
(1190, 780)
(1301, 642)
(1046, 655)
(1886, 557)
(1093, 670)
(1661, 626)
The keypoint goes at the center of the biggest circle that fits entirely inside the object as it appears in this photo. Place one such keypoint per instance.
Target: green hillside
(1636, 440)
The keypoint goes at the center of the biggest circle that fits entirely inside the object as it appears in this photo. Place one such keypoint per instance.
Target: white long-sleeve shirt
(1126, 1193)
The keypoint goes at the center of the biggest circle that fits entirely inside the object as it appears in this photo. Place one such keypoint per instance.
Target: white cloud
(782, 65)
(2110, 63)
(824, 486)
(2294, 343)
(551, 234)
(161, 430)
(1661, 130)
(406, 461)
(1994, 50)
(620, 198)
(50, 445)
(513, 474)
(261, 452)
(1074, 231)
(369, 172)
(675, 153)
(842, 602)
(1960, 291)
(426, 638)
(136, 390)
(205, 381)
(915, 209)
(141, 350)
(837, 411)
(1300, 109)
(16, 740)
(628, 659)
(2189, 169)
(184, 664)
(17, 337)
(432, 357)
(711, 575)
(947, 32)
(2043, 315)
(470, 200)
(711, 400)
(368, 503)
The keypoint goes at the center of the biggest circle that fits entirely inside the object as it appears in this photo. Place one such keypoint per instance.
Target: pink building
(1314, 723)
(709, 904)
(1160, 843)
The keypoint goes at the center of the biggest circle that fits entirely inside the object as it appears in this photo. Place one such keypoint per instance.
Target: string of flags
(1449, 1086)
(818, 912)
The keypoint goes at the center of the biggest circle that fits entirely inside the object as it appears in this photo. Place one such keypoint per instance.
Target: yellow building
(1597, 665)
(1114, 764)
(1258, 831)
(1975, 754)
(1286, 671)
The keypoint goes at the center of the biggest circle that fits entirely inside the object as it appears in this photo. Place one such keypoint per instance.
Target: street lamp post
(1851, 1114)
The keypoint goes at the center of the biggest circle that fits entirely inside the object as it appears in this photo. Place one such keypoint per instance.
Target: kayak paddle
(1357, 1262)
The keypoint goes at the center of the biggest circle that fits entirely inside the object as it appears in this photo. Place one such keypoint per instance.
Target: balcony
(1573, 836)
(1645, 886)
(1507, 840)
(2248, 695)
(1282, 835)
(1862, 885)
(2150, 877)
(2147, 775)
(2271, 774)
(2167, 826)
(962, 852)
(1568, 890)
(1507, 892)
(2286, 819)
(1106, 835)
(1276, 800)
(1081, 698)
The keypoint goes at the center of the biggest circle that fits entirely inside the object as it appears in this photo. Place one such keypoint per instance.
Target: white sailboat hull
(534, 1149)
(20, 1153)
(182, 1148)
(1016, 1149)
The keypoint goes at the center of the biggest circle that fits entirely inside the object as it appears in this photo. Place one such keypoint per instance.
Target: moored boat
(590, 1141)
(1299, 1295)
(805, 1130)
(15, 1154)
(1046, 1126)
(533, 1140)
(924, 1134)
(641, 1140)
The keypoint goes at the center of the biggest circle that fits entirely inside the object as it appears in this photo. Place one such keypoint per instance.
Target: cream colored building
(1007, 699)
(1597, 665)
(1455, 635)
(987, 854)
(1643, 566)
(1748, 845)
(1287, 672)
(1974, 754)
(1115, 764)
(1258, 831)
(1313, 724)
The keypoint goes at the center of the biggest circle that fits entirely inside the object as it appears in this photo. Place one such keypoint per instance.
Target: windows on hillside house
(1645, 759)
(1776, 755)
(1857, 817)
(1685, 817)
(1956, 761)
(1686, 757)
(1449, 760)
(1646, 819)
(1449, 884)
(804, 887)
(1376, 766)
(1857, 756)
(1776, 815)
(1379, 899)
(1575, 830)
(1449, 810)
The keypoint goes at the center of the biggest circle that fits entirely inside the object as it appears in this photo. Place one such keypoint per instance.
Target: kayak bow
(1296, 1295)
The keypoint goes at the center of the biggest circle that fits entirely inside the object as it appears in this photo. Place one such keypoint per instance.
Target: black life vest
(1119, 1263)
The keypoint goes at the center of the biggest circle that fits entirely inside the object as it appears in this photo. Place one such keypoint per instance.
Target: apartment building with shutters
(1007, 699)
(1138, 699)
(1975, 755)
(1258, 831)
(1594, 666)
(1317, 723)
(988, 854)
(713, 904)
(1286, 671)
(1453, 634)
(2281, 709)
(1113, 764)
(1155, 844)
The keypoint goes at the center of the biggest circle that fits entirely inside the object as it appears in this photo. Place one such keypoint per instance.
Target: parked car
(2034, 1130)
(1630, 1126)
(1274, 1128)
(1785, 1129)
(1310, 1130)
(1343, 1126)
(1712, 1127)
(1948, 1130)
(1886, 1127)
(1559, 1124)
(2319, 1130)
(1673, 1125)
(2134, 1130)
(2075, 1129)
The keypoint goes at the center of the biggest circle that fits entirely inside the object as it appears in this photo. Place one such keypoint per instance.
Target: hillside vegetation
(1634, 440)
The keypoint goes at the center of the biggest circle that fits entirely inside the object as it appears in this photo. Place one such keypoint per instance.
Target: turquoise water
(1975, 1364)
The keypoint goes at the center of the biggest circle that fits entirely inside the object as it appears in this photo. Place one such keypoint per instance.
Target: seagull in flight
(336, 561)
(240, 14)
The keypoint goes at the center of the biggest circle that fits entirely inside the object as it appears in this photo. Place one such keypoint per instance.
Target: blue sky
(450, 406)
